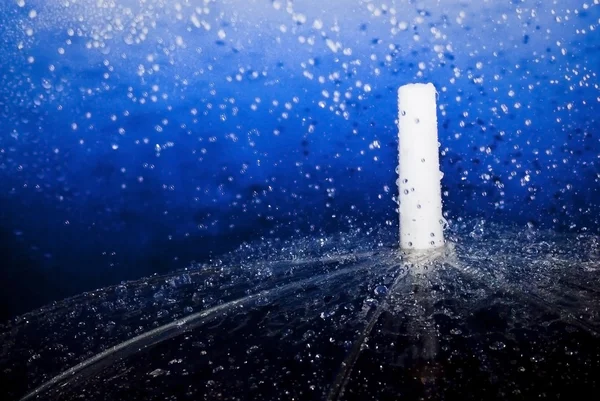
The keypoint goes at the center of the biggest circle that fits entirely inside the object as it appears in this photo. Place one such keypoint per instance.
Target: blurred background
(141, 136)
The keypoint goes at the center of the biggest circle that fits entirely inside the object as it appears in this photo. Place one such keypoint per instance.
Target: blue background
(139, 136)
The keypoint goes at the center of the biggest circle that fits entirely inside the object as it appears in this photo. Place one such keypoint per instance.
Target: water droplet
(536, 358)
(327, 314)
(371, 303)
(157, 372)
(308, 334)
(252, 349)
(381, 290)
(497, 346)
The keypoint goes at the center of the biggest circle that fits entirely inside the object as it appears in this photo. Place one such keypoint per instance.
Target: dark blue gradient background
(138, 137)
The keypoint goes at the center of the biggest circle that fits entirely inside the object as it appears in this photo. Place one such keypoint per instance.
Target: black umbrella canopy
(498, 314)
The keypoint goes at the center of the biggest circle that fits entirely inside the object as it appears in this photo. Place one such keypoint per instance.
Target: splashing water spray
(419, 183)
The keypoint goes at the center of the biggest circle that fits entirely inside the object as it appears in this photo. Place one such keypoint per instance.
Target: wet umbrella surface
(508, 314)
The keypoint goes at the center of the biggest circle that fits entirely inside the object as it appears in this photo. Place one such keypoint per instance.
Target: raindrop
(497, 346)
(252, 349)
(381, 290)
(371, 303)
(536, 359)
